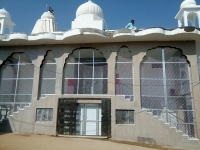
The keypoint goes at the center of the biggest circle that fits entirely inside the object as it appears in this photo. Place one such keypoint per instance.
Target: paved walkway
(43, 142)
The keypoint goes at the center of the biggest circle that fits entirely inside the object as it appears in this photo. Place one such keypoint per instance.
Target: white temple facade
(129, 85)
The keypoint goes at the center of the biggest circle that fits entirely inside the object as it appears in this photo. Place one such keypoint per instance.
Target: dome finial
(89, 8)
(188, 3)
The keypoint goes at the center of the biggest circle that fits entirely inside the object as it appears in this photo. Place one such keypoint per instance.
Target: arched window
(85, 72)
(124, 73)
(47, 75)
(165, 88)
(16, 82)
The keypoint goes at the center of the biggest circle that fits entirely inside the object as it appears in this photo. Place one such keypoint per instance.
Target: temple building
(130, 85)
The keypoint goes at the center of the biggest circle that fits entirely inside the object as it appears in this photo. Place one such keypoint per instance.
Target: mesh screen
(124, 74)
(49, 71)
(124, 70)
(86, 70)
(6, 98)
(7, 86)
(100, 70)
(26, 71)
(86, 74)
(70, 86)
(48, 86)
(101, 86)
(16, 83)
(166, 91)
(147, 71)
(71, 71)
(23, 98)
(9, 71)
(25, 86)
(85, 86)
(48, 75)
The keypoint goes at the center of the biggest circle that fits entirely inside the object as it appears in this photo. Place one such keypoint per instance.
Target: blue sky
(117, 13)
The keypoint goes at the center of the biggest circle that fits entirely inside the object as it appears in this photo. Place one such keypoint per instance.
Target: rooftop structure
(5, 21)
(45, 24)
(89, 15)
(189, 11)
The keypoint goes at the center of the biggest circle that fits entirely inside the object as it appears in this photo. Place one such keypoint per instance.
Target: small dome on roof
(189, 3)
(4, 13)
(89, 8)
(47, 15)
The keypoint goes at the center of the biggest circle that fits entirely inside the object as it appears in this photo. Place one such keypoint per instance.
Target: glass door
(88, 119)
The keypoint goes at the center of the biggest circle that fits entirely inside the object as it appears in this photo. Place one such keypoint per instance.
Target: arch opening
(85, 72)
(166, 88)
(47, 75)
(16, 82)
(124, 73)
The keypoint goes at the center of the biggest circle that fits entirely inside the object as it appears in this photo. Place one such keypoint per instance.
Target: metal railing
(183, 120)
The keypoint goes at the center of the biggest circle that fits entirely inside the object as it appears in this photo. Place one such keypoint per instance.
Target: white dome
(47, 15)
(4, 13)
(89, 8)
(187, 3)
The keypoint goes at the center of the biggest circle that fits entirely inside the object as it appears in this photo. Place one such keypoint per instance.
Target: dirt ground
(43, 142)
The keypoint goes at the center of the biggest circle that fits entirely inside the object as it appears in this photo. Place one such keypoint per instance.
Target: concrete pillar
(179, 23)
(111, 73)
(2, 27)
(195, 85)
(185, 18)
(36, 77)
(59, 75)
(137, 89)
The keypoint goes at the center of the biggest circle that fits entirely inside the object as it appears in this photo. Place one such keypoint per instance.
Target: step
(194, 143)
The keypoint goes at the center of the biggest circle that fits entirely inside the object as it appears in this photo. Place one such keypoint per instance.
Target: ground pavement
(43, 142)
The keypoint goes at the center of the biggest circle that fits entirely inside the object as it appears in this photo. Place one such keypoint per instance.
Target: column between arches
(111, 73)
(137, 89)
(195, 89)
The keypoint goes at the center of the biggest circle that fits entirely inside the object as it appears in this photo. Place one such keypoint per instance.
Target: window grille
(16, 81)
(48, 75)
(124, 116)
(156, 65)
(44, 114)
(124, 74)
(85, 72)
(166, 90)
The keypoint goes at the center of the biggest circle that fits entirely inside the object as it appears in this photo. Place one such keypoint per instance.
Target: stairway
(171, 135)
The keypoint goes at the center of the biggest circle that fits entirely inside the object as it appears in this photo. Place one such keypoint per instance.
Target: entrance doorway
(85, 117)
(88, 119)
